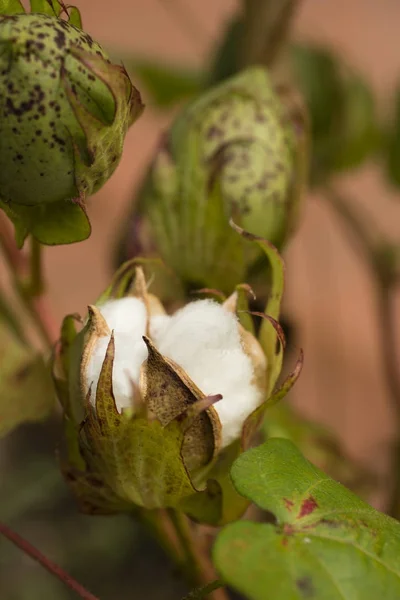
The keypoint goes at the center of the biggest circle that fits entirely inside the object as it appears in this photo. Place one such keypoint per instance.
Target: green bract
(238, 151)
(164, 447)
(64, 113)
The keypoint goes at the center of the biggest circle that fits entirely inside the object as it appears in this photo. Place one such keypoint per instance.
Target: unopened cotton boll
(203, 338)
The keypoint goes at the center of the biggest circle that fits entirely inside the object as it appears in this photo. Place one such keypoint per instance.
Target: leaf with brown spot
(326, 543)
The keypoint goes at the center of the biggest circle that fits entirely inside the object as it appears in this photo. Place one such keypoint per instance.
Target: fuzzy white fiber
(127, 317)
(202, 338)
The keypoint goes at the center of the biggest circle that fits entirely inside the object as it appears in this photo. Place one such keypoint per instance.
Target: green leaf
(74, 17)
(26, 389)
(11, 7)
(271, 336)
(166, 84)
(342, 110)
(317, 74)
(320, 445)
(359, 136)
(316, 70)
(46, 7)
(51, 224)
(326, 542)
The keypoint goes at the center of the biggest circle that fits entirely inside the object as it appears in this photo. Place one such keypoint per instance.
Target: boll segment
(236, 152)
(64, 113)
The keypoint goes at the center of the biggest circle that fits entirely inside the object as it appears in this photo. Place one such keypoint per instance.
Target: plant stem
(36, 284)
(385, 282)
(198, 565)
(28, 282)
(172, 531)
(46, 563)
(266, 26)
(204, 591)
(9, 317)
(15, 258)
(389, 354)
(358, 224)
(159, 525)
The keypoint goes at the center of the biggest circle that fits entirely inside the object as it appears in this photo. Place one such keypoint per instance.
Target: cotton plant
(164, 402)
(157, 406)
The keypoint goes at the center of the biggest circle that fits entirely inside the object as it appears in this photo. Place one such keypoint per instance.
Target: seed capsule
(64, 113)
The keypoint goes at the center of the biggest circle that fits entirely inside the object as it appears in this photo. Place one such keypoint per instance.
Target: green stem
(266, 26)
(46, 563)
(28, 284)
(385, 281)
(8, 316)
(388, 320)
(172, 531)
(157, 522)
(198, 566)
(360, 227)
(36, 284)
(204, 591)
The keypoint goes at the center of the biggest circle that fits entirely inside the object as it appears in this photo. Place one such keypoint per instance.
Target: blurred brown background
(329, 291)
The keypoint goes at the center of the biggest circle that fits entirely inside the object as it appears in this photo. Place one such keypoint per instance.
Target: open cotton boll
(203, 338)
(158, 324)
(127, 317)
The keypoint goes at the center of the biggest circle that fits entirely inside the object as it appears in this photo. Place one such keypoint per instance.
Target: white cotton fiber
(127, 317)
(203, 338)
(158, 325)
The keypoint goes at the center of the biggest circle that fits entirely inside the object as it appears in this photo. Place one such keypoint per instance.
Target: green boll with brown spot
(64, 113)
(239, 151)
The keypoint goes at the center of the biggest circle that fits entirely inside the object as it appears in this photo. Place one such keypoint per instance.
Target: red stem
(47, 322)
(50, 566)
(35, 302)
